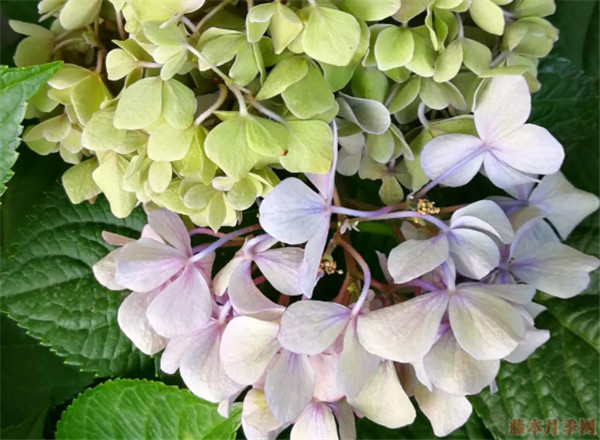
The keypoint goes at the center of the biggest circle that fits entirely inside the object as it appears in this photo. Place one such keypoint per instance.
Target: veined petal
(494, 220)
(413, 258)
(289, 368)
(516, 293)
(145, 264)
(280, 267)
(383, 399)
(454, 371)
(247, 299)
(182, 307)
(474, 253)
(315, 423)
(171, 228)
(176, 348)
(247, 347)
(443, 152)
(309, 327)
(133, 322)
(404, 332)
(486, 327)
(357, 365)
(533, 339)
(504, 107)
(530, 149)
(444, 411)
(556, 269)
(313, 252)
(201, 368)
(292, 212)
(503, 175)
(325, 367)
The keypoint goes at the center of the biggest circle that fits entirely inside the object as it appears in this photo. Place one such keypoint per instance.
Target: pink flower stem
(221, 241)
(206, 231)
(379, 215)
(366, 274)
(422, 284)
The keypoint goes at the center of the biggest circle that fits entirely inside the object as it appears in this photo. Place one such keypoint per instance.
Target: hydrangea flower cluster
(193, 106)
(457, 298)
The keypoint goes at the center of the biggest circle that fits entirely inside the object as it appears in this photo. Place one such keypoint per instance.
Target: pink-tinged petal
(563, 204)
(315, 423)
(383, 399)
(105, 271)
(171, 229)
(503, 175)
(115, 239)
(247, 347)
(413, 258)
(530, 149)
(182, 307)
(556, 269)
(454, 371)
(404, 332)
(445, 412)
(504, 107)
(256, 413)
(325, 367)
(345, 418)
(486, 327)
(280, 267)
(516, 293)
(133, 322)
(201, 368)
(221, 280)
(146, 264)
(176, 348)
(473, 253)
(309, 327)
(148, 232)
(247, 299)
(289, 368)
(205, 265)
(491, 219)
(292, 212)
(357, 365)
(313, 253)
(444, 152)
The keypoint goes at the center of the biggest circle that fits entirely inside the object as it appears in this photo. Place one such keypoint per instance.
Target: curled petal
(105, 271)
(494, 221)
(313, 252)
(445, 411)
(473, 253)
(171, 229)
(133, 322)
(247, 299)
(280, 267)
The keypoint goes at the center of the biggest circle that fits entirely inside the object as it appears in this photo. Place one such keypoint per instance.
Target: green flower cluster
(192, 106)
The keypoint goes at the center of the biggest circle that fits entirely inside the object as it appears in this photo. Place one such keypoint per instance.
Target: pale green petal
(78, 181)
(265, 137)
(477, 56)
(410, 9)
(390, 191)
(448, 64)
(87, 97)
(370, 83)
(371, 116)
(32, 51)
(140, 104)
(198, 196)
(423, 57)
(178, 104)
(488, 16)
(309, 147)
(109, 178)
(244, 68)
(243, 194)
(99, 134)
(258, 20)
(395, 47)
(380, 147)
(56, 129)
(159, 176)
(169, 144)
(77, 13)
(372, 10)
(310, 96)
(119, 64)
(285, 27)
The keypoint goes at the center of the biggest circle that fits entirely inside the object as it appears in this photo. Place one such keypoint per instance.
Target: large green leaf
(16, 86)
(48, 287)
(136, 409)
(33, 380)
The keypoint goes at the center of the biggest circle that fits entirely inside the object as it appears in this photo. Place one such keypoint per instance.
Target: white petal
(563, 204)
(534, 233)
(105, 271)
(247, 299)
(309, 327)
(256, 413)
(486, 327)
(133, 322)
(533, 339)
(357, 365)
(325, 367)
(530, 149)
(504, 107)
(313, 253)
(474, 253)
(315, 423)
(404, 332)
(171, 228)
(115, 239)
(182, 307)
(444, 411)
(280, 267)
(292, 212)
(443, 152)
(146, 264)
(454, 371)
(201, 368)
(488, 211)
(516, 293)
(503, 175)
(289, 368)
(247, 347)
(413, 258)
(556, 269)
(176, 348)
(383, 399)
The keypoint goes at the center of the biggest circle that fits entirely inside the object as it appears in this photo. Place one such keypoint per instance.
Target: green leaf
(48, 287)
(331, 36)
(136, 409)
(33, 380)
(16, 86)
